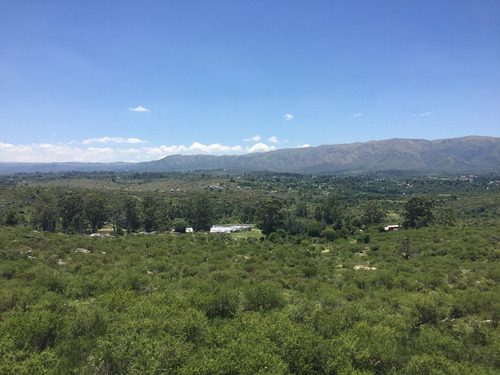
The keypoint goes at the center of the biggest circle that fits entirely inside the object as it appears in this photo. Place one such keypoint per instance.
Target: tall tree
(332, 209)
(149, 209)
(201, 215)
(372, 213)
(46, 214)
(163, 215)
(418, 213)
(247, 212)
(270, 216)
(131, 215)
(95, 211)
(71, 209)
(301, 209)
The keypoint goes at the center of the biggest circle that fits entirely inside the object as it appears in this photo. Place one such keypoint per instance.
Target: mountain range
(471, 154)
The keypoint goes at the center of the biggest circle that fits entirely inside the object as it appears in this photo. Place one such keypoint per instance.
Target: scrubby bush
(416, 301)
(315, 228)
(215, 301)
(180, 226)
(330, 234)
(263, 296)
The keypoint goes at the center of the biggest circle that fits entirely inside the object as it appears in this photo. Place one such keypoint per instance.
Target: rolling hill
(472, 154)
(467, 154)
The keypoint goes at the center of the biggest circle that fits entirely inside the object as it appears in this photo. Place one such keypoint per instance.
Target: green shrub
(215, 301)
(263, 296)
(180, 226)
(330, 234)
(315, 228)
(363, 238)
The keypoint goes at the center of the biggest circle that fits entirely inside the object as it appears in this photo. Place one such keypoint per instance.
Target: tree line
(333, 216)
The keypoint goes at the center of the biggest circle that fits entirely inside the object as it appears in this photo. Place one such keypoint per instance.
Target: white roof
(229, 228)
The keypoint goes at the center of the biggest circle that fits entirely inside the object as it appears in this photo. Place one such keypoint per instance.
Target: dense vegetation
(319, 288)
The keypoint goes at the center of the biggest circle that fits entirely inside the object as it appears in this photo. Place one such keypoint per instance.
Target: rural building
(391, 228)
(230, 228)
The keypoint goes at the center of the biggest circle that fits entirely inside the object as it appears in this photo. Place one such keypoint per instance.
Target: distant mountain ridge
(471, 154)
(466, 154)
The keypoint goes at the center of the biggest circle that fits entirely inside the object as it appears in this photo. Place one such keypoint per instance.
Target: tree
(163, 215)
(95, 211)
(11, 218)
(180, 226)
(72, 212)
(330, 234)
(372, 213)
(332, 209)
(149, 208)
(46, 214)
(301, 209)
(247, 212)
(116, 212)
(201, 213)
(131, 215)
(269, 216)
(315, 228)
(445, 217)
(418, 213)
(293, 225)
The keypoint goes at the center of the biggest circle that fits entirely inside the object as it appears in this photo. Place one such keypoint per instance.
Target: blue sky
(139, 80)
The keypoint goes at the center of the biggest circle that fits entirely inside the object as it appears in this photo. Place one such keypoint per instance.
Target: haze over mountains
(472, 154)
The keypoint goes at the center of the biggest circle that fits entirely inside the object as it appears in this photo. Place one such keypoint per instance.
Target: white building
(230, 228)
(391, 228)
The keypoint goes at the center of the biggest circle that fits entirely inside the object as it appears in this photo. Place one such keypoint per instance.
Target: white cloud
(425, 114)
(288, 116)
(139, 108)
(71, 152)
(255, 138)
(213, 148)
(358, 114)
(260, 147)
(304, 145)
(134, 140)
(112, 140)
(162, 151)
(49, 153)
(273, 139)
(150, 153)
(6, 146)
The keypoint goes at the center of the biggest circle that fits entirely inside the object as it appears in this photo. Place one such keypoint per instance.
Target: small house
(391, 228)
(230, 228)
